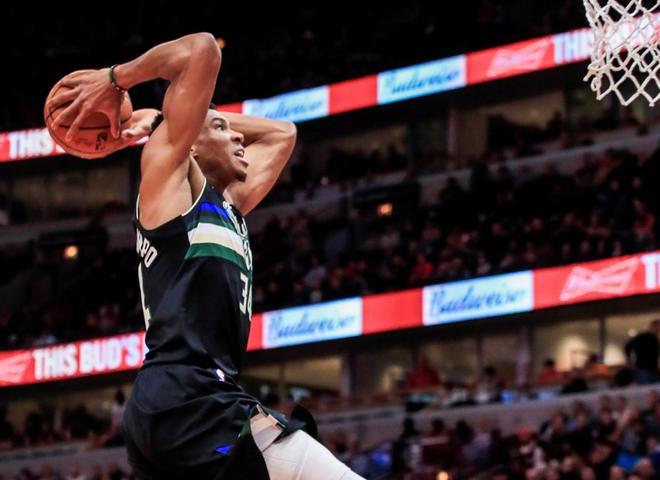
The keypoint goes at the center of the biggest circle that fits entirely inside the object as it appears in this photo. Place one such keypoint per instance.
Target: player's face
(219, 149)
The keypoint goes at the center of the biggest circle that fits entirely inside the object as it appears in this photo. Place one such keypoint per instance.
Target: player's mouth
(240, 154)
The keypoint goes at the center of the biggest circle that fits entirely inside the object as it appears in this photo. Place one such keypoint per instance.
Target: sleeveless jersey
(187, 412)
(195, 275)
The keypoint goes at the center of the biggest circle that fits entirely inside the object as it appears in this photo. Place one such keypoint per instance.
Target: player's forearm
(258, 129)
(167, 60)
(269, 145)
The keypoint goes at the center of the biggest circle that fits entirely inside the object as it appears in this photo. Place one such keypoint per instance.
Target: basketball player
(202, 171)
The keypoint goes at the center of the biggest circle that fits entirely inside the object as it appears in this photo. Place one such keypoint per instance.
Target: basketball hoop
(625, 58)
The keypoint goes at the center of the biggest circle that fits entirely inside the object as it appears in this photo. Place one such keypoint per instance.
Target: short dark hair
(159, 118)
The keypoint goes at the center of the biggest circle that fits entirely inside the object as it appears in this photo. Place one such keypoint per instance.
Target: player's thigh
(300, 457)
(142, 468)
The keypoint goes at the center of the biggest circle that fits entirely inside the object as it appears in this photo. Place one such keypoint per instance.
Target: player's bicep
(159, 152)
(185, 106)
(162, 168)
(188, 96)
(186, 102)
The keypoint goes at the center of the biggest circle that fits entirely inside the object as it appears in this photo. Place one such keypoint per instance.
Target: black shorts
(182, 422)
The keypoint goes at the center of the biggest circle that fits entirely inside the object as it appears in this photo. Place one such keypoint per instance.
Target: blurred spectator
(48, 473)
(401, 446)
(581, 438)
(115, 473)
(115, 436)
(595, 369)
(488, 388)
(529, 449)
(422, 375)
(644, 469)
(75, 473)
(643, 351)
(6, 428)
(575, 383)
(549, 375)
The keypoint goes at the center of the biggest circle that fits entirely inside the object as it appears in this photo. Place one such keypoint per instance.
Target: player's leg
(300, 457)
(141, 467)
(297, 456)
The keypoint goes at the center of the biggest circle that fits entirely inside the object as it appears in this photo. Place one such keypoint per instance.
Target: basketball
(94, 139)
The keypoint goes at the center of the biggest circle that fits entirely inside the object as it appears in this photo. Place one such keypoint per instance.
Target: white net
(625, 58)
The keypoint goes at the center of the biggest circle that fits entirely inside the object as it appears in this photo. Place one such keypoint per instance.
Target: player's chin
(241, 174)
(241, 168)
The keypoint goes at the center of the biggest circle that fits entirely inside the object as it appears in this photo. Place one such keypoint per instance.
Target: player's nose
(237, 137)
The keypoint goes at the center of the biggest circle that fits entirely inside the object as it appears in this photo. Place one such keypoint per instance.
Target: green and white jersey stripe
(215, 230)
(216, 240)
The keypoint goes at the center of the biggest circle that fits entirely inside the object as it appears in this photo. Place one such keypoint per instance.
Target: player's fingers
(114, 125)
(127, 137)
(67, 113)
(70, 82)
(75, 126)
(128, 133)
(60, 99)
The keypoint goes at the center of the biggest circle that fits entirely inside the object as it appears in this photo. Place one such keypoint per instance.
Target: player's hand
(89, 91)
(138, 127)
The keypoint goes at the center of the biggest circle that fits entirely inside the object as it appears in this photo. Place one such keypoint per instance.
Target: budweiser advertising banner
(466, 300)
(611, 278)
(72, 360)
